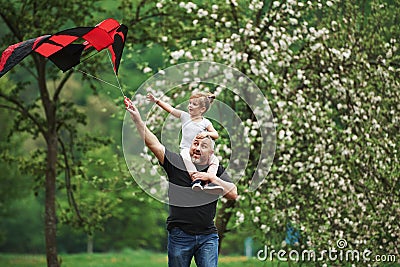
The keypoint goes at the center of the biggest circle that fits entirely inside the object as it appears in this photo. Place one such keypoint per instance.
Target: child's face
(195, 108)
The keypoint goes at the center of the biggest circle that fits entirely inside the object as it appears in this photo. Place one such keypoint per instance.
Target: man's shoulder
(221, 173)
(170, 154)
(171, 158)
(220, 170)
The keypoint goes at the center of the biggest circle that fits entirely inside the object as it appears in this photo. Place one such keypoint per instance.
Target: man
(190, 224)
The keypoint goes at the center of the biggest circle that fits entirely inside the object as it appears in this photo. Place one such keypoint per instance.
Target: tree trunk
(223, 215)
(51, 137)
(50, 207)
(89, 248)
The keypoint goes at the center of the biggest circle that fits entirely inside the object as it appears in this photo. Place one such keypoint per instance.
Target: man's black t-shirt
(191, 211)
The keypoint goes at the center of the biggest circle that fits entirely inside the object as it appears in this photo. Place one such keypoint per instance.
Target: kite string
(116, 76)
(90, 75)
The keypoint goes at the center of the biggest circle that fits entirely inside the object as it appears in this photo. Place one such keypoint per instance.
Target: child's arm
(213, 164)
(211, 132)
(165, 106)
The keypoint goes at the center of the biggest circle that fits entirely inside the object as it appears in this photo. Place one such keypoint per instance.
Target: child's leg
(188, 162)
(191, 169)
(211, 188)
(214, 162)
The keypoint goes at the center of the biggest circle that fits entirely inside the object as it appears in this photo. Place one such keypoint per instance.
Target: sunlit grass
(123, 259)
(141, 258)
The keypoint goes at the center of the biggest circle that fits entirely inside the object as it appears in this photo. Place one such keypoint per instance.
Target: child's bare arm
(165, 106)
(211, 132)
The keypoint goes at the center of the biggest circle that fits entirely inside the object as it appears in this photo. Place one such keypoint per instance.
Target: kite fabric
(65, 50)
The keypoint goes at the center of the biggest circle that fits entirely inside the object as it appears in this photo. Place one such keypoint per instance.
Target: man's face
(201, 151)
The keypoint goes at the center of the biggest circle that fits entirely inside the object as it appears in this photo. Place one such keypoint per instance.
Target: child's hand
(202, 135)
(151, 98)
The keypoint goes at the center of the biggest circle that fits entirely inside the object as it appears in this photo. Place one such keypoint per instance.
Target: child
(193, 124)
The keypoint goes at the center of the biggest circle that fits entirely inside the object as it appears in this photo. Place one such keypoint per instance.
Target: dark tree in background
(47, 115)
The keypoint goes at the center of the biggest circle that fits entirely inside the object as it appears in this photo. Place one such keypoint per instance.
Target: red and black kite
(62, 47)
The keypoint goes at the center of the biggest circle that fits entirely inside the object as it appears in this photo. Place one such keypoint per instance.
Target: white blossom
(147, 69)
(177, 54)
(202, 13)
(293, 21)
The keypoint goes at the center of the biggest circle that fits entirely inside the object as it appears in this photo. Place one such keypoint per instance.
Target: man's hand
(133, 111)
(230, 189)
(203, 176)
(127, 102)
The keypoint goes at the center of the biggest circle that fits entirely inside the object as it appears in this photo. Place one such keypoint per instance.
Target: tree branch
(234, 14)
(61, 85)
(16, 32)
(71, 199)
(22, 110)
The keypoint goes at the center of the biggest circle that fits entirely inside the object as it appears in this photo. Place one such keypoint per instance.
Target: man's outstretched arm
(149, 138)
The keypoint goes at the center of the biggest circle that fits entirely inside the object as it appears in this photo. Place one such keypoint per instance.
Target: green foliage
(90, 173)
(123, 259)
(139, 223)
(329, 70)
(24, 217)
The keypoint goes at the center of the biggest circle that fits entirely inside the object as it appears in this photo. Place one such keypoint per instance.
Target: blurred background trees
(329, 70)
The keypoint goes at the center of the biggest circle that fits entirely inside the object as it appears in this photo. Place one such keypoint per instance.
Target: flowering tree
(329, 70)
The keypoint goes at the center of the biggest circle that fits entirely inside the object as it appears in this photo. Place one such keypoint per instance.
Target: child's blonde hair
(205, 100)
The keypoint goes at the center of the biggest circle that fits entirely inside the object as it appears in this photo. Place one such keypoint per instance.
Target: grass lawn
(124, 259)
(139, 259)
